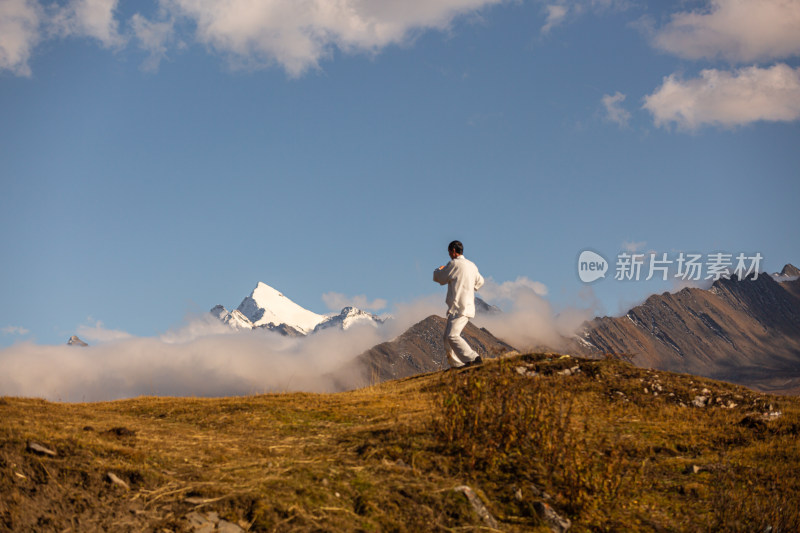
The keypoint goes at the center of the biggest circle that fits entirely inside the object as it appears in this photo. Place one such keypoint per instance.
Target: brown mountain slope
(746, 332)
(421, 349)
(790, 270)
(793, 287)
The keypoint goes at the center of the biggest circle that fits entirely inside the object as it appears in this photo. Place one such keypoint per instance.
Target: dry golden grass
(610, 452)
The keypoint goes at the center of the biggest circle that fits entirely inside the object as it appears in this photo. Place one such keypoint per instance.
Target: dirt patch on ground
(44, 493)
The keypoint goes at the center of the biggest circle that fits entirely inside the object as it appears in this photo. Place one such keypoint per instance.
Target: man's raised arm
(440, 275)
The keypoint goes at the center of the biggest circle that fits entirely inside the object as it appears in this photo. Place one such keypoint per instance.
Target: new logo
(591, 266)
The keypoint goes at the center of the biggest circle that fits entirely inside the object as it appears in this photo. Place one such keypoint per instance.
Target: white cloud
(14, 330)
(25, 23)
(555, 16)
(153, 37)
(88, 18)
(560, 11)
(735, 30)
(614, 110)
(98, 333)
(19, 33)
(195, 327)
(298, 34)
(633, 246)
(295, 34)
(337, 301)
(509, 290)
(726, 98)
(530, 322)
(241, 363)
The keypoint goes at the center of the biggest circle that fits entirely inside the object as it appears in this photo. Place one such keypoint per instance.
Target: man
(462, 279)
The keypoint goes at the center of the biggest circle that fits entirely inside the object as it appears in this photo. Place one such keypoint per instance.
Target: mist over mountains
(743, 331)
(746, 332)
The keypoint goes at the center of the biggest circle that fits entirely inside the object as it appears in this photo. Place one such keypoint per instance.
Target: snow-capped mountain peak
(349, 316)
(234, 319)
(266, 305)
(268, 308)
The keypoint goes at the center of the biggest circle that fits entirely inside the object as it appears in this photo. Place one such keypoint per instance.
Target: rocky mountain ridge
(418, 350)
(744, 331)
(76, 341)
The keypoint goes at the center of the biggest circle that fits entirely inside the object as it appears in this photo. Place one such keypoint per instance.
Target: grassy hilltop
(602, 443)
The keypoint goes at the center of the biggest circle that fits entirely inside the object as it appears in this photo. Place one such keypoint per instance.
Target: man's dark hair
(456, 247)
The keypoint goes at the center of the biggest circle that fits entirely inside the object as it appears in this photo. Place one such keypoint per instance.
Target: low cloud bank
(529, 321)
(202, 358)
(205, 358)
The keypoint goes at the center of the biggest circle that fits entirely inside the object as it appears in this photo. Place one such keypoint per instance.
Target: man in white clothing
(462, 279)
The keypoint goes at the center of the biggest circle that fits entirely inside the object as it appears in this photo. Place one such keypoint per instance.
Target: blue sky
(159, 158)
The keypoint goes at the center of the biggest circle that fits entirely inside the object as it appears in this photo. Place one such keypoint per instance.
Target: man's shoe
(475, 362)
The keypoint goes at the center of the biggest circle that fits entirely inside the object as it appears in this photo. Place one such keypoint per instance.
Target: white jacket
(462, 279)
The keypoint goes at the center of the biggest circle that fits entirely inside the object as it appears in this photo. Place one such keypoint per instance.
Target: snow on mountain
(348, 318)
(269, 309)
(789, 273)
(266, 306)
(234, 319)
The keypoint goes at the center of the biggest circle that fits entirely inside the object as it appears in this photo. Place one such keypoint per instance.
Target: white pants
(458, 351)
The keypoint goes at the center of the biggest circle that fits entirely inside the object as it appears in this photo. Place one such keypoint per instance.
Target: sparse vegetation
(607, 445)
(532, 431)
